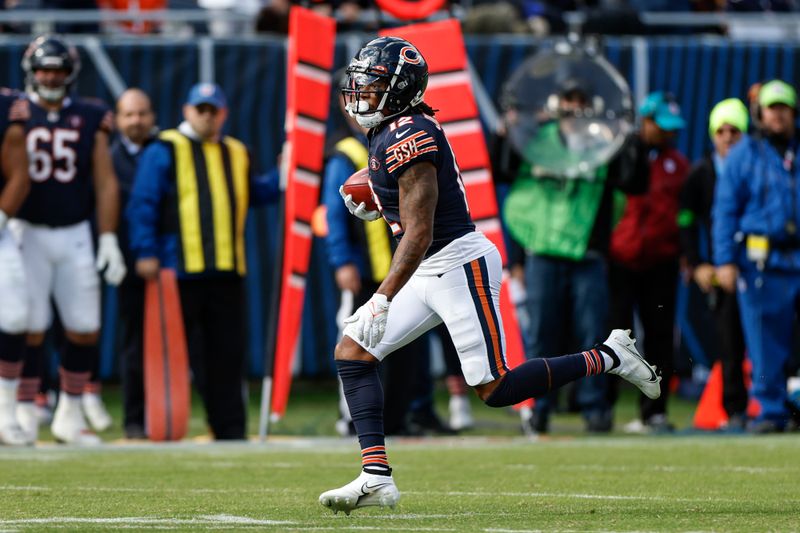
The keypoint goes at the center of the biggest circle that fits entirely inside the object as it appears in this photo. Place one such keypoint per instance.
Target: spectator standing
(755, 220)
(187, 211)
(727, 123)
(643, 271)
(136, 127)
(564, 224)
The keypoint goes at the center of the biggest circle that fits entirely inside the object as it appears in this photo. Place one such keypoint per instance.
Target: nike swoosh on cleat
(366, 486)
(401, 134)
(653, 376)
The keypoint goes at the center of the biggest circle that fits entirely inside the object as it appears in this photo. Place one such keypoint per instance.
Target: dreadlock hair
(422, 107)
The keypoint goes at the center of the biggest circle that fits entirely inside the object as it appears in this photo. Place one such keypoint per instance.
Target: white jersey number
(44, 162)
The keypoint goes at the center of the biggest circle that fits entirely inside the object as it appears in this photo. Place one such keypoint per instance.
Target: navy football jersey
(60, 147)
(12, 110)
(395, 147)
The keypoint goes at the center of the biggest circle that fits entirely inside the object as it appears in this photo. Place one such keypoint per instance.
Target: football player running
(72, 180)
(442, 271)
(14, 186)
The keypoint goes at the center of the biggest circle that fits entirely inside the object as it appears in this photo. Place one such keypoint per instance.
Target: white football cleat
(68, 424)
(28, 420)
(12, 435)
(10, 432)
(632, 366)
(460, 412)
(96, 412)
(364, 491)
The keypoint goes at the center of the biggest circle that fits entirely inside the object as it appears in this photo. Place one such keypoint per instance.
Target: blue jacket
(756, 195)
(153, 183)
(342, 248)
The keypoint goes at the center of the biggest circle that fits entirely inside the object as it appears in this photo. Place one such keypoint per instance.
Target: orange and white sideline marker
(166, 362)
(310, 60)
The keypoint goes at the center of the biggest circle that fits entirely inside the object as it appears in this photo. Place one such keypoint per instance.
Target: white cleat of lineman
(12, 435)
(28, 419)
(68, 424)
(632, 366)
(364, 491)
(95, 411)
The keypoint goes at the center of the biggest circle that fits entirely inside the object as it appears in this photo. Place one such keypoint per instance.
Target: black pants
(732, 348)
(213, 313)
(651, 293)
(131, 340)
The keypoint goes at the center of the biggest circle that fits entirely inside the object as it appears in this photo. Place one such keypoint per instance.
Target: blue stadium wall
(699, 71)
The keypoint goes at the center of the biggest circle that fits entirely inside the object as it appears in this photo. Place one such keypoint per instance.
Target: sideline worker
(187, 211)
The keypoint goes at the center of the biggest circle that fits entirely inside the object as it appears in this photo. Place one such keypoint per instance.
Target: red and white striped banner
(309, 64)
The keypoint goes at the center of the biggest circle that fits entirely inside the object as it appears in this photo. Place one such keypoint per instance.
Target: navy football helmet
(393, 69)
(49, 52)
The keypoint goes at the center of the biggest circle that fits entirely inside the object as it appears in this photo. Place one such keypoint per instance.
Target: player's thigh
(76, 284)
(36, 258)
(15, 306)
(468, 300)
(409, 317)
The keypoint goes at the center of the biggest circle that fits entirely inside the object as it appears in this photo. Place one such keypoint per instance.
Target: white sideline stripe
(578, 496)
(310, 125)
(447, 80)
(472, 177)
(265, 490)
(462, 127)
(309, 178)
(301, 228)
(659, 468)
(489, 225)
(146, 520)
(312, 73)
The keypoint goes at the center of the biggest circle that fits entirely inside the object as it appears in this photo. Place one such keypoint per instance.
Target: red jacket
(647, 234)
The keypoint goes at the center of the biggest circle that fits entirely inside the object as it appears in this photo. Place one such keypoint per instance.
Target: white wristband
(3, 219)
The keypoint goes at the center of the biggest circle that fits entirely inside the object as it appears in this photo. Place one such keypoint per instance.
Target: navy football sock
(537, 377)
(364, 395)
(12, 352)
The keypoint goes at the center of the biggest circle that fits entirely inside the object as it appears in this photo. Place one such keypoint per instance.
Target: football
(357, 186)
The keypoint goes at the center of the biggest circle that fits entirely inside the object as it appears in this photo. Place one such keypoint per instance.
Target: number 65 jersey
(60, 147)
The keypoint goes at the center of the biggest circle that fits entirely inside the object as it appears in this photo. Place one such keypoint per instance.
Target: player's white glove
(3, 219)
(109, 257)
(359, 210)
(368, 323)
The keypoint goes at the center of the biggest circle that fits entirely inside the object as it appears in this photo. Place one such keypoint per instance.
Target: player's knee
(349, 350)
(83, 339)
(35, 339)
(486, 390)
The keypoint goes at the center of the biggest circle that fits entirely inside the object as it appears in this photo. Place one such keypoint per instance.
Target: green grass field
(498, 483)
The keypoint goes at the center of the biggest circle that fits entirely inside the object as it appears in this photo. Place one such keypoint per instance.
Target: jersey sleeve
(408, 145)
(98, 115)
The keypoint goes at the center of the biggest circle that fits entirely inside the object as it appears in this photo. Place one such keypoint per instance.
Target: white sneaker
(10, 432)
(28, 420)
(635, 427)
(363, 491)
(68, 423)
(460, 412)
(632, 366)
(12, 435)
(96, 412)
